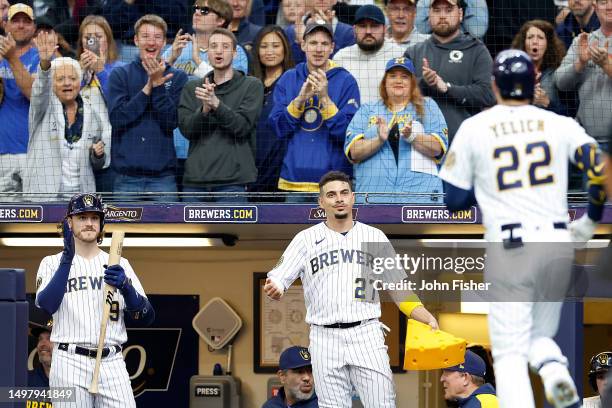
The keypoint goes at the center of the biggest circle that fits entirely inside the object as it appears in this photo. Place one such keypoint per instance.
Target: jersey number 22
(541, 149)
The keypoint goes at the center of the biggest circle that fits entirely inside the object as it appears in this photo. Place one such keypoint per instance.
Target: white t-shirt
(368, 68)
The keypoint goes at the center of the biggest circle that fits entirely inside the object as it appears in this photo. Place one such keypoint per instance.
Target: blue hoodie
(483, 397)
(143, 125)
(315, 136)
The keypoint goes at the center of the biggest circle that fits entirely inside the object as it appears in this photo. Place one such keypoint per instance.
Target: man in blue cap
(465, 384)
(366, 60)
(295, 373)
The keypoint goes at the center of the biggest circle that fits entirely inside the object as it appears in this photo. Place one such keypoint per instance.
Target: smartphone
(93, 44)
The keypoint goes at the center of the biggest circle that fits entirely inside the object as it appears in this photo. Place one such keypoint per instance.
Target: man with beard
(295, 373)
(401, 15)
(39, 377)
(221, 111)
(142, 103)
(475, 17)
(581, 19)
(366, 60)
(346, 336)
(69, 286)
(18, 61)
(454, 68)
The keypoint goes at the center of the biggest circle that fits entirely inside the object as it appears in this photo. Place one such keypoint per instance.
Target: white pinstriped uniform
(592, 402)
(328, 263)
(531, 189)
(77, 322)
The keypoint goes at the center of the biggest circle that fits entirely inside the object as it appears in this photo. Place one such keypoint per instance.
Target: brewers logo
(88, 200)
(312, 118)
(305, 354)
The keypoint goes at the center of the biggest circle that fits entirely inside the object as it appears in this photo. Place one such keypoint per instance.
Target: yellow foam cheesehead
(428, 349)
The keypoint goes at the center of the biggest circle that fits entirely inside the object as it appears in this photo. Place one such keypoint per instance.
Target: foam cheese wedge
(428, 349)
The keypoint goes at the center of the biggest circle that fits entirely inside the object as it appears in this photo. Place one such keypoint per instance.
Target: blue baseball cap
(473, 364)
(401, 62)
(369, 12)
(294, 357)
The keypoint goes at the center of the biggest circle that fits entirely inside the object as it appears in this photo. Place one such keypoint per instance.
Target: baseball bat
(109, 292)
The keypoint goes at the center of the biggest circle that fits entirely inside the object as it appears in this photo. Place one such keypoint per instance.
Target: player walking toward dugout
(69, 286)
(512, 160)
(346, 338)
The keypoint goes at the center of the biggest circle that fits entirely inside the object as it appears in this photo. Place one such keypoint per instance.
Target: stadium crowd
(267, 96)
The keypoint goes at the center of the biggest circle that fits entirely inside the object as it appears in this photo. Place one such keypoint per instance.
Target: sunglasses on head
(203, 10)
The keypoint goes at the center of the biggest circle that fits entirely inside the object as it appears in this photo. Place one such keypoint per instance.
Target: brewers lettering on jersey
(346, 338)
(70, 287)
(513, 160)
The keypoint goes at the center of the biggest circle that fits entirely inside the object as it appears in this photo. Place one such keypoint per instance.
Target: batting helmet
(86, 202)
(600, 363)
(514, 74)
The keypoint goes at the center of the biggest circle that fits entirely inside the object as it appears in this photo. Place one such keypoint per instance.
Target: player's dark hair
(334, 176)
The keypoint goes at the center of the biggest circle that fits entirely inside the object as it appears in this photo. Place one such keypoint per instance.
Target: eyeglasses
(603, 2)
(204, 11)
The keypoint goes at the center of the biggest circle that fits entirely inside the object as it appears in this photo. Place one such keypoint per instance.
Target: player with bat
(72, 286)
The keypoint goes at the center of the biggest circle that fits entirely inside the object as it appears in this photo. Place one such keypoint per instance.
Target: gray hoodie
(464, 63)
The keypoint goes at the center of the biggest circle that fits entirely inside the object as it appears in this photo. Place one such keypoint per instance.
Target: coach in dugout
(295, 373)
(464, 384)
(39, 377)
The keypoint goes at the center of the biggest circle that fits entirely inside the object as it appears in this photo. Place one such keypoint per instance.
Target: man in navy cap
(39, 377)
(465, 384)
(295, 373)
(366, 60)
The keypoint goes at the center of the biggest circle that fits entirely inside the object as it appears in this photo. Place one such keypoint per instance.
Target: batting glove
(68, 253)
(114, 275)
(582, 229)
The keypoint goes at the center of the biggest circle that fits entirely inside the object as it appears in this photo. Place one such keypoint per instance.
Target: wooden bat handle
(108, 292)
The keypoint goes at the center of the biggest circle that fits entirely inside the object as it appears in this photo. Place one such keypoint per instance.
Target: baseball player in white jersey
(599, 371)
(346, 338)
(513, 161)
(70, 287)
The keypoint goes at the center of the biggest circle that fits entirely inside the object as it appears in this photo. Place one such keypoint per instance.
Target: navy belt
(556, 225)
(517, 242)
(90, 352)
(344, 325)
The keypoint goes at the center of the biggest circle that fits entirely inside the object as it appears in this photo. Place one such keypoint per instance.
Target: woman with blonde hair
(98, 56)
(97, 53)
(398, 142)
